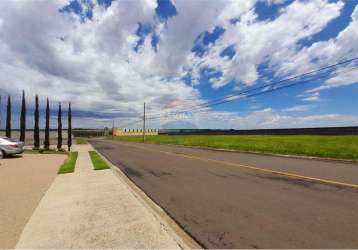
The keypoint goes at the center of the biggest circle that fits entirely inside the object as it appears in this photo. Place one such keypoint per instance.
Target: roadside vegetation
(97, 161)
(69, 165)
(81, 141)
(36, 131)
(336, 147)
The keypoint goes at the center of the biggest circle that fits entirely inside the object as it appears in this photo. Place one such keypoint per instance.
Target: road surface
(228, 200)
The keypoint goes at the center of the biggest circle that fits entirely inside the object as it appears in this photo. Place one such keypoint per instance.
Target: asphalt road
(223, 205)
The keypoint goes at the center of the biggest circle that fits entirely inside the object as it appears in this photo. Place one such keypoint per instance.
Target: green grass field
(69, 165)
(337, 147)
(81, 141)
(97, 161)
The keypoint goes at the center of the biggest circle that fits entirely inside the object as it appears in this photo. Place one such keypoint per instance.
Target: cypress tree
(23, 118)
(59, 127)
(47, 126)
(69, 128)
(36, 126)
(8, 117)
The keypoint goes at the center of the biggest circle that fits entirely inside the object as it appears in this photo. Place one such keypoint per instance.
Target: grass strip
(81, 141)
(69, 165)
(335, 147)
(97, 161)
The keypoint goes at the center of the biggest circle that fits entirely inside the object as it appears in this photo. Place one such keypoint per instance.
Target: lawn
(337, 147)
(97, 161)
(81, 141)
(69, 165)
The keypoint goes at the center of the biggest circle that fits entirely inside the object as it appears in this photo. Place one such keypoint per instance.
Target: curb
(183, 239)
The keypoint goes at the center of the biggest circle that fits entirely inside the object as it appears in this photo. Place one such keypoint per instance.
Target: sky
(109, 57)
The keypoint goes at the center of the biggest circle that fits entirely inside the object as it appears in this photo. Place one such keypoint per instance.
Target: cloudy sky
(108, 57)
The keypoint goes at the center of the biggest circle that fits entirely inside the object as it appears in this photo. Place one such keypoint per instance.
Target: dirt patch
(24, 181)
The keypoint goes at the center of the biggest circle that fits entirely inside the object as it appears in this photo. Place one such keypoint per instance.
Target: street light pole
(144, 123)
(113, 129)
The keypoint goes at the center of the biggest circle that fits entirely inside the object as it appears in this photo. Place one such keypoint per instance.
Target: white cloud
(298, 108)
(323, 53)
(93, 64)
(338, 80)
(312, 97)
(273, 41)
(265, 118)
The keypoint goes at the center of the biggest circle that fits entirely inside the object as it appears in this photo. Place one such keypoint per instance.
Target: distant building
(133, 132)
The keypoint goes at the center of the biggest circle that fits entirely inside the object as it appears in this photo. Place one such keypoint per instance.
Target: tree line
(36, 133)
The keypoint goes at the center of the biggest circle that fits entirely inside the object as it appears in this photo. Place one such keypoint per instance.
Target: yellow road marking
(290, 175)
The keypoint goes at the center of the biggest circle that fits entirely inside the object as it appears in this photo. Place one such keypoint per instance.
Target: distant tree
(59, 127)
(23, 118)
(8, 117)
(36, 124)
(47, 126)
(69, 128)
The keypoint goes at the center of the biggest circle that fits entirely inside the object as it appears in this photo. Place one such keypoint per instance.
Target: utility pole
(113, 128)
(144, 123)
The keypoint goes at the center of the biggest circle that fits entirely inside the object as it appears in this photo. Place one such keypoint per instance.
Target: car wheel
(1, 154)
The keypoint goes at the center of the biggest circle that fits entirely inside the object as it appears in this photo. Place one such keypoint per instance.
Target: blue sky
(107, 58)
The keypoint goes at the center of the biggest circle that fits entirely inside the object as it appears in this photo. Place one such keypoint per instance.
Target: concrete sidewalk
(92, 209)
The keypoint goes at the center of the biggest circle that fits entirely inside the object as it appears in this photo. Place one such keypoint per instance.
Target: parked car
(10, 146)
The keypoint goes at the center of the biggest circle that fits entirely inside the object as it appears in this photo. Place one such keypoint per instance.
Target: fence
(286, 131)
(133, 132)
(90, 132)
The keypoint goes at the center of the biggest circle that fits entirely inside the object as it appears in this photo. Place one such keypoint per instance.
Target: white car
(10, 146)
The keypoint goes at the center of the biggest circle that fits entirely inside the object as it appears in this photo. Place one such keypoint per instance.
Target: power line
(236, 95)
(268, 85)
(254, 94)
(251, 95)
(277, 88)
(294, 77)
(139, 119)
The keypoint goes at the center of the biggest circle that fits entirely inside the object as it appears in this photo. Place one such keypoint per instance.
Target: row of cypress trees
(36, 123)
